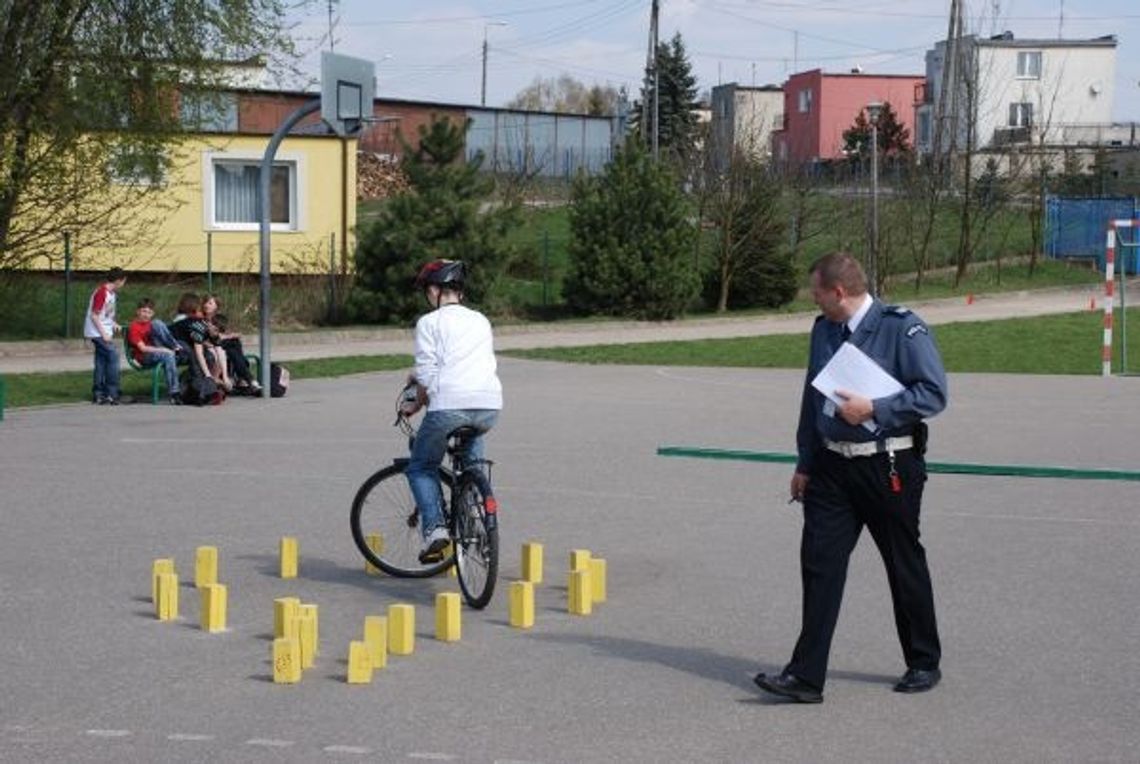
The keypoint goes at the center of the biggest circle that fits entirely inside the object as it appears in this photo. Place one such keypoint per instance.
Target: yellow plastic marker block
(213, 616)
(305, 610)
(448, 626)
(532, 562)
(160, 566)
(376, 637)
(581, 602)
(359, 663)
(289, 553)
(579, 559)
(522, 604)
(401, 629)
(375, 542)
(286, 661)
(307, 636)
(285, 610)
(205, 566)
(167, 606)
(598, 579)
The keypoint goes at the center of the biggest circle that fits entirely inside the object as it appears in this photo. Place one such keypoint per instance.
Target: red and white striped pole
(1109, 268)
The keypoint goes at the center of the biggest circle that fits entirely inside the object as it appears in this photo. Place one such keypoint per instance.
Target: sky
(431, 50)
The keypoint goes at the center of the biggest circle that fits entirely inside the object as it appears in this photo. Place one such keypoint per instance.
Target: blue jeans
(428, 452)
(169, 368)
(160, 335)
(105, 383)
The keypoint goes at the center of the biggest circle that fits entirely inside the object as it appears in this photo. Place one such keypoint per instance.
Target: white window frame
(1021, 114)
(1029, 64)
(298, 182)
(805, 101)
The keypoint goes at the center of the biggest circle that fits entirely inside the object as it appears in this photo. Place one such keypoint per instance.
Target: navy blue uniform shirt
(897, 340)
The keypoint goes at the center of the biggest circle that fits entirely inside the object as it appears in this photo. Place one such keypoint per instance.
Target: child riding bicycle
(455, 377)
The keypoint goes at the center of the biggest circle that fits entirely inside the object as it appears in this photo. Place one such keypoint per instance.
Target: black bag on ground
(278, 380)
(201, 391)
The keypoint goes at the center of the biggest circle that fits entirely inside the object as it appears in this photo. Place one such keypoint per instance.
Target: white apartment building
(743, 118)
(1050, 93)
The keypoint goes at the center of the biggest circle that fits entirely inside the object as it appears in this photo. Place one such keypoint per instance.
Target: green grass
(1062, 344)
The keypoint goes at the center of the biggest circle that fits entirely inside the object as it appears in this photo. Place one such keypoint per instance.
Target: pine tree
(894, 138)
(439, 217)
(678, 94)
(631, 241)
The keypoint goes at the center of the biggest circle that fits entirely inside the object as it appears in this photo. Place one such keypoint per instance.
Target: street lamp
(873, 110)
(483, 90)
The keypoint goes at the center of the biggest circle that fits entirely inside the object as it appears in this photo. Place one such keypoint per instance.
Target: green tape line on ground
(950, 468)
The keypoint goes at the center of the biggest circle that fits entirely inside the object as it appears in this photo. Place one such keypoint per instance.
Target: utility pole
(332, 41)
(649, 119)
(483, 89)
(946, 108)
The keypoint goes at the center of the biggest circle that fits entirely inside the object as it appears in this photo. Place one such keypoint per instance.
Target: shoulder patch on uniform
(897, 310)
(916, 329)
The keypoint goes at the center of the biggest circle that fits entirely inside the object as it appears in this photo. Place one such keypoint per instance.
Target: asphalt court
(1035, 581)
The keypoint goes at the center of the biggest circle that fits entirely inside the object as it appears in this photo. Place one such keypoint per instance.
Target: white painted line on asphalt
(1036, 518)
(188, 736)
(269, 742)
(244, 442)
(109, 733)
(432, 756)
(352, 749)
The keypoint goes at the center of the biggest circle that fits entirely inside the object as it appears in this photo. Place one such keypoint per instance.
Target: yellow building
(203, 214)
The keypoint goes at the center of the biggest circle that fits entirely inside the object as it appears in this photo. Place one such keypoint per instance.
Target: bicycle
(384, 505)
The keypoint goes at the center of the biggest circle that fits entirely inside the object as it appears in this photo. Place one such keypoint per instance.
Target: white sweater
(455, 360)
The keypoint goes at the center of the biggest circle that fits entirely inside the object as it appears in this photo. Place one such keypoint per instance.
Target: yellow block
(160, 566)
(205, 566)
(375, 542)
(448, 625)
(213, 616)
(285, 610)
(359, 663)
(307, 637)
(305, 610)
(289, 551)
(522, 604)
(532, 562)
(286, 661)
(598, 579)
(401, 629)
(167, 606)
(376, 637)
(579, 559)
(580, 592)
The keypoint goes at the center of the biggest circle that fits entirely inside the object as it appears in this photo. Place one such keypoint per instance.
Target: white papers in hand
(852, 369)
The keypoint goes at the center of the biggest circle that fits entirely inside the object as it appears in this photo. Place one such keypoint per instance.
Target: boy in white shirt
(100, 328)
(455, 377)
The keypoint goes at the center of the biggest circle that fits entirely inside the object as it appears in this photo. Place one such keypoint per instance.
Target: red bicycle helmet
(445, 273)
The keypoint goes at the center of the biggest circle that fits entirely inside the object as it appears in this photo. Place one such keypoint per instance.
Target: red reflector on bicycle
(491, 505)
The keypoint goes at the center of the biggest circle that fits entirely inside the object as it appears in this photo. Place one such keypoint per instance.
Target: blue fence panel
(1075, 228)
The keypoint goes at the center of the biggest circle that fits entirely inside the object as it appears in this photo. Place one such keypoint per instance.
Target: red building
(818, 107)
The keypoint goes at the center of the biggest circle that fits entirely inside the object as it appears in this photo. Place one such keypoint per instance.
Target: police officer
(849, 475)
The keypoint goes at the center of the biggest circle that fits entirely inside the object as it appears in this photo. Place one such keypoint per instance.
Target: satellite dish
(1095, 88)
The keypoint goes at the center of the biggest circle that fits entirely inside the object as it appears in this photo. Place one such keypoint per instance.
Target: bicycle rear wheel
(476, 537)
(384, 506)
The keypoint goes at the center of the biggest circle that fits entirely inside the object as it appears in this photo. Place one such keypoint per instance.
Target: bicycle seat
(463, 434)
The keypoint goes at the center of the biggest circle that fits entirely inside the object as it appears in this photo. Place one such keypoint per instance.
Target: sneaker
(435, 545)
(175, 399)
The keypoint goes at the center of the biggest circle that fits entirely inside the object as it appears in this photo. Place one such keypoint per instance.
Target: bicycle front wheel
(476, 536)
(384, 508)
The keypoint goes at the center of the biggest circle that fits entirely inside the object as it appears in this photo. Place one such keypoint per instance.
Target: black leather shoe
(918, 680)
(789, 686)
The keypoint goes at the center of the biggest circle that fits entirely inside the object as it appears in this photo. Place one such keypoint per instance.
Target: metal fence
(1075, 228)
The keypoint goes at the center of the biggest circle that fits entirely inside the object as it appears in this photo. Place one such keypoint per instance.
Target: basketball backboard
(348, 87)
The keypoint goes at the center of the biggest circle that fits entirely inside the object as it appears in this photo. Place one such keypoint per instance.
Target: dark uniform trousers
(842, 496)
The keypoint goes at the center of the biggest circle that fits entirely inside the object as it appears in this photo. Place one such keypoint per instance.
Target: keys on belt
(869, 448)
